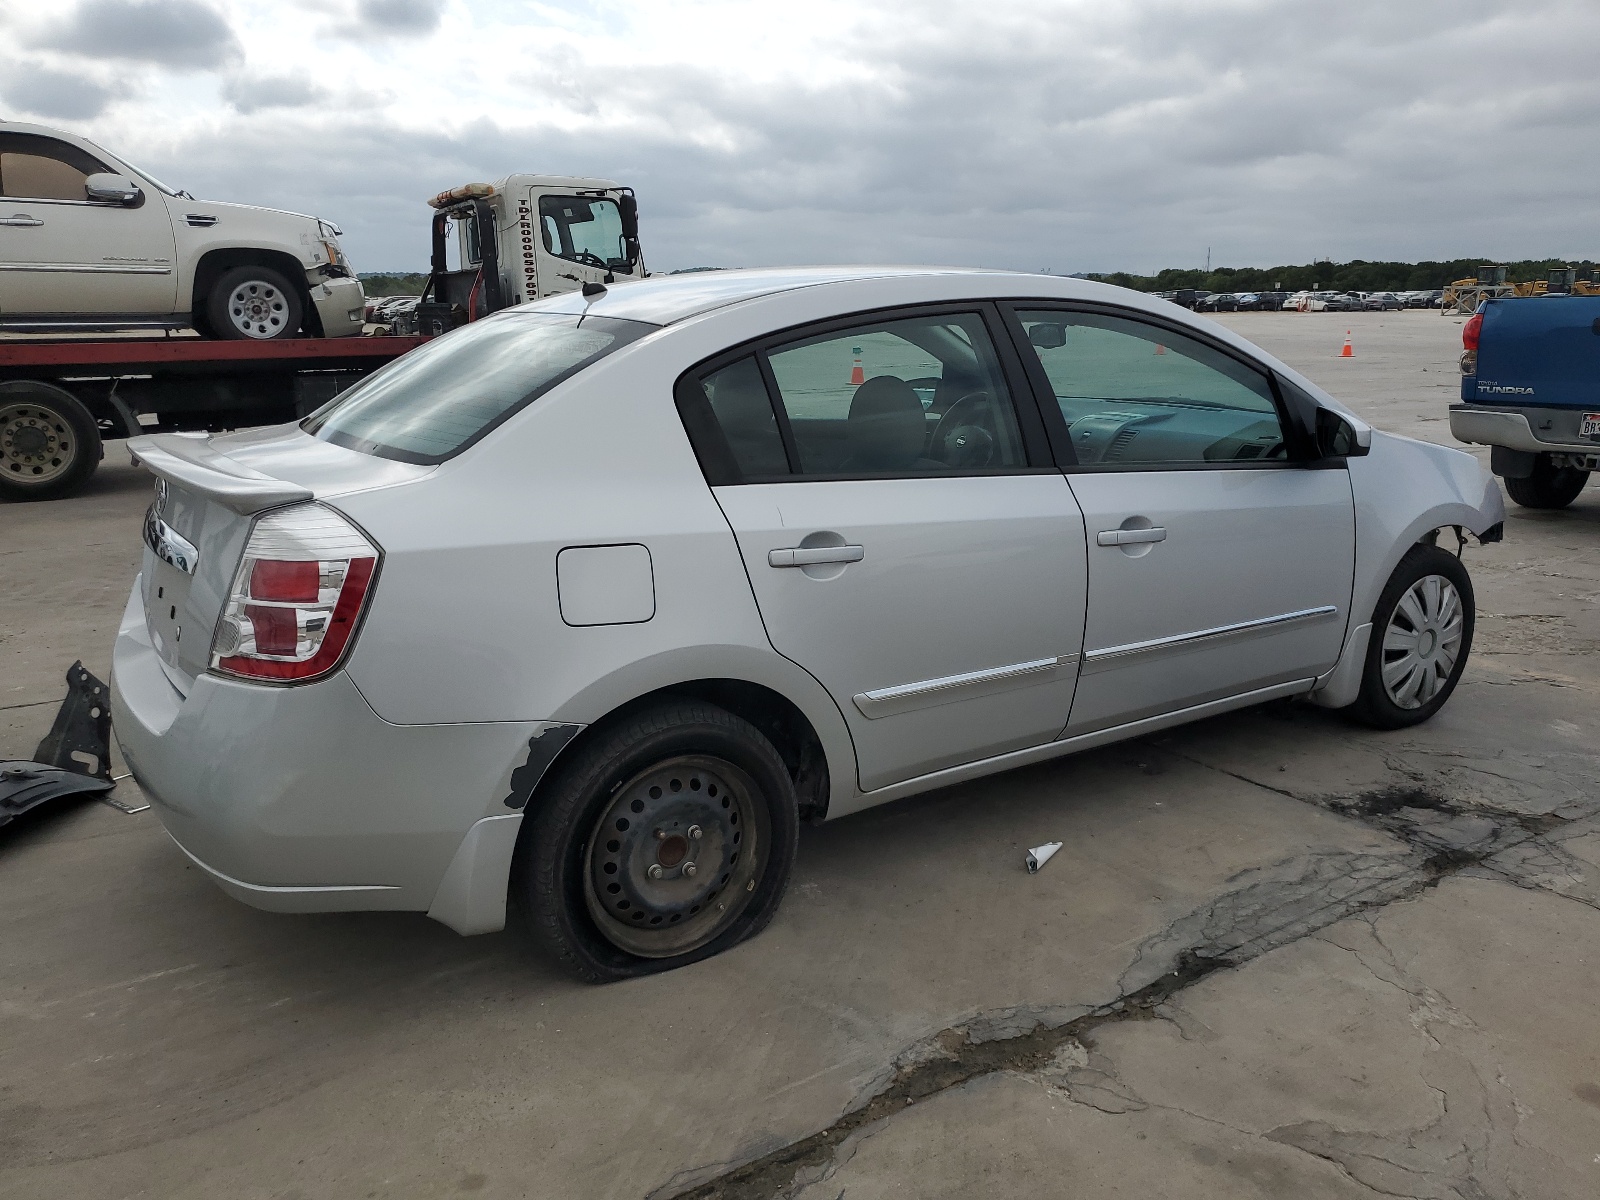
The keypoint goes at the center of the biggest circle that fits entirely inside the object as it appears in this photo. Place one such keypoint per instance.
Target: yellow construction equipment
(1464, 295)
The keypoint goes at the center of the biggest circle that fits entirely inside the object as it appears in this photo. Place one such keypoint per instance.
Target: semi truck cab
(522, 238)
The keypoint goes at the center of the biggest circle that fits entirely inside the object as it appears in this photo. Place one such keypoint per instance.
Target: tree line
(1357, 275)
(393, 283)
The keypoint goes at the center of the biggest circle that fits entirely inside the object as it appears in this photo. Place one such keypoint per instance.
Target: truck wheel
(255, 303)
(49, 442)
(1548, 486)
(666, 839)
(1421, 636)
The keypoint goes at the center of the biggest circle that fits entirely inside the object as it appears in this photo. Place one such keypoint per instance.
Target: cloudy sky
(1067, 135)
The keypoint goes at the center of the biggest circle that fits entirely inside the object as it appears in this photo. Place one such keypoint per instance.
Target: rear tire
(637, 858)
(253, 304)
(1548, 486)
(1421, 637)
(49, 442)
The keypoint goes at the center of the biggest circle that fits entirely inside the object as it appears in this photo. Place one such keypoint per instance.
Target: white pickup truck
(88, 242)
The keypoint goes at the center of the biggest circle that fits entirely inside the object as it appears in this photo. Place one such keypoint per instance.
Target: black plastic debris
(80, 739)
(25, 785)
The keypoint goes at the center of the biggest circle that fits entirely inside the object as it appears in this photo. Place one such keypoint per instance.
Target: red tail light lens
(297, 597)
(1471, 331)
(290, 581)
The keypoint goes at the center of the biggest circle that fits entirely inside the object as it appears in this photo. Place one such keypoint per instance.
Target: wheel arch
(793, 732)
(214, 262)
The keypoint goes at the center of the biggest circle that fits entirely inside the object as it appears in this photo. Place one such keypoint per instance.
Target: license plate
(1590, 428)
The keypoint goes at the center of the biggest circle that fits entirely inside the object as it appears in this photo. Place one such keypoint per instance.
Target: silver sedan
(585, 607)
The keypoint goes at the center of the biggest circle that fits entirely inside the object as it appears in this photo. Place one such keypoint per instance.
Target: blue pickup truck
(1530, 389)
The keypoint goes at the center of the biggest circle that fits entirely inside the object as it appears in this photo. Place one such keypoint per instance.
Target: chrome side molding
(907, 697)
(1182, 641)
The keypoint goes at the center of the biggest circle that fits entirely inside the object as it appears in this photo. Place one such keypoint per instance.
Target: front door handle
(1130, 537)
(811, 556)
(20, 219)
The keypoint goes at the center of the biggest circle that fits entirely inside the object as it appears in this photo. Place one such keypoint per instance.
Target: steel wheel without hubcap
(258, 309)
(674, 856)
(1422, 642)
(37, 446)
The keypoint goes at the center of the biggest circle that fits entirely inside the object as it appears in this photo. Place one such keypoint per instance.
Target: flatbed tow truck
(520, 238)
(60, 398)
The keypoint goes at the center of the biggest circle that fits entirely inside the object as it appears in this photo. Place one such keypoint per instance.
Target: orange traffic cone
(1160, 349)
(857, 375)
(1347, 352)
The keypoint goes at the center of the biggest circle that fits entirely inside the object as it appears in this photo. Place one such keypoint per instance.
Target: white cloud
(1074, 134)
(249, 93)
(172, 33)
(41, 91)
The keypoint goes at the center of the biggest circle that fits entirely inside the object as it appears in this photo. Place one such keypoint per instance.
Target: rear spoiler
(194, 465)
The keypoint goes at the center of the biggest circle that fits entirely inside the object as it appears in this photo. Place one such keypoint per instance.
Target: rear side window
(739, 401)
(437, 400)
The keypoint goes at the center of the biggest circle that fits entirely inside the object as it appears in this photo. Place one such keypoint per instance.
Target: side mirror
(1048, 335)
(628, 209)
(1337, 438)
(106, 188)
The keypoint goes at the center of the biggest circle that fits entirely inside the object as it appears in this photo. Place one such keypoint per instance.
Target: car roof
(665, 299)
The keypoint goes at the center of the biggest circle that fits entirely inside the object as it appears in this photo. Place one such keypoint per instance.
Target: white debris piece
(1039, 855)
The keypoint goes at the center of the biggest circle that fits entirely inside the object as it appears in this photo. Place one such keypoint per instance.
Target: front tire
(253, 304)
(1548, 486)
(664, 840)
(49, 442)
(1421, 636)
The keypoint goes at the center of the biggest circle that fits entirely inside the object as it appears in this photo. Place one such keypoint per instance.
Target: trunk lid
(208, 493)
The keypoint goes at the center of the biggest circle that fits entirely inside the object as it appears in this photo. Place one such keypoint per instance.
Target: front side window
(584, 230)
(922, 394)
(434, 402)
(1133, 393)
(41, 168)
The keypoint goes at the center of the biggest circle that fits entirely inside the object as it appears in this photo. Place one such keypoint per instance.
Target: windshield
(434, 402)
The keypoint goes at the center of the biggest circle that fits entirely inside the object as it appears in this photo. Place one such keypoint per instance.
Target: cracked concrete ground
(1277, 955)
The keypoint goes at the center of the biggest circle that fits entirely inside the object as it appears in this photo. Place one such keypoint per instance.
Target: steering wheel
(965, 435)
(589, 259)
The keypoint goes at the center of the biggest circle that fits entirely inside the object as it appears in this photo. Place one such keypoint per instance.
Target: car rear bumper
(302, 799)
(1511, 428)
(342, 305)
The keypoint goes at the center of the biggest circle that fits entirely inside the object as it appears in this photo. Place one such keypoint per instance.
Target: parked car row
(1304, 301)
(385, 310)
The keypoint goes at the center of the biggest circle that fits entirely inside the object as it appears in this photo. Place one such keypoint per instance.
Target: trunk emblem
(169, 545)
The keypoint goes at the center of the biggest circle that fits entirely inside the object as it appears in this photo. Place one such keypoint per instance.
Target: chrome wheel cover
(258, 309)
(1422, 641)
(675, 856)
(37, 446)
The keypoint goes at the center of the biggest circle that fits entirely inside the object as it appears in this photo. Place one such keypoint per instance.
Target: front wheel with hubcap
(664, 840)
(254, 303)
(1421, 636)
(49, 442)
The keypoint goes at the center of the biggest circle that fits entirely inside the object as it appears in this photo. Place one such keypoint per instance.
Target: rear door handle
(20, 219)
(810, 556)
(1130, 537)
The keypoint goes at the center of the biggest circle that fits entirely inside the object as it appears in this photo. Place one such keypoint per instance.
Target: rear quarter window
(434, 402)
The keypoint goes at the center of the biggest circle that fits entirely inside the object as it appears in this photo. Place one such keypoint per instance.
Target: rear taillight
(1471, 330)
(297, 596)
